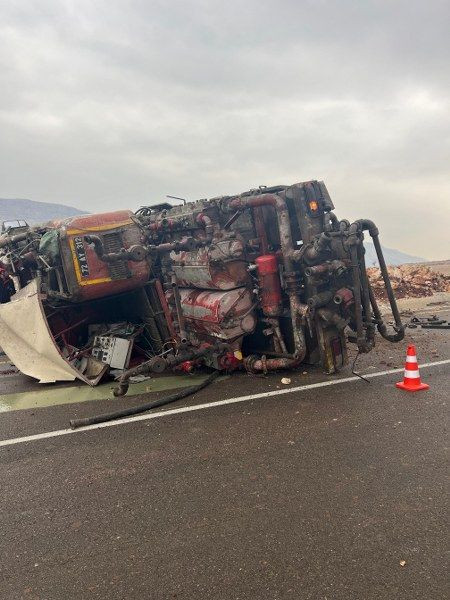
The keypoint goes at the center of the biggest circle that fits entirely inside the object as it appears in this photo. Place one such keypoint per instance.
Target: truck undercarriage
(265, 280)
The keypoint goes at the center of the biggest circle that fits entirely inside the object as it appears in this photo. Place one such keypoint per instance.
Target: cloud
(114, 104)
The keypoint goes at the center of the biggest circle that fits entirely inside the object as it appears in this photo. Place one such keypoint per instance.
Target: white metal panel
(26, 340)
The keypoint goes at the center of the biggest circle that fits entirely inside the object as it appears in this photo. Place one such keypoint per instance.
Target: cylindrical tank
(217, 267)
(269, 285)
(222, 315)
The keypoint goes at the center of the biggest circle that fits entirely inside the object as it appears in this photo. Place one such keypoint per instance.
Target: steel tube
(165, 307)
(179, 310)
(288, 253)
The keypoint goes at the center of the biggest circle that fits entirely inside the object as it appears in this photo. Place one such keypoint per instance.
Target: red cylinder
(269, 285)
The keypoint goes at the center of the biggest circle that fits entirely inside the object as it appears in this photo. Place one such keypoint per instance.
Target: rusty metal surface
(271, 272)
(218, 314)
(219, 266)
(87, 276)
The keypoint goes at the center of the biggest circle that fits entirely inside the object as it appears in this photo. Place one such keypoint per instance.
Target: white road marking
(186, 409)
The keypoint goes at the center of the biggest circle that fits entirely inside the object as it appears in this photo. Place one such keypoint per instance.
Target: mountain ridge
(392, 256)
(33, 211)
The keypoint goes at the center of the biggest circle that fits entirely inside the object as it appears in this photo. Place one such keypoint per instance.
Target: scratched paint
(216, 314)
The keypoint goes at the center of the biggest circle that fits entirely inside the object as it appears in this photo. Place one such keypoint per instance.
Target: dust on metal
(268, 279)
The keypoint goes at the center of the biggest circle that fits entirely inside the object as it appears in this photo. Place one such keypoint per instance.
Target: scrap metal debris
(428, 323)
(265, 280)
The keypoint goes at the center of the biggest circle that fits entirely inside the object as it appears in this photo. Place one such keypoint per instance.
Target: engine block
(263, 280)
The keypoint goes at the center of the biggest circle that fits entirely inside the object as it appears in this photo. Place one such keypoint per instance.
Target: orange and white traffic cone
(411, 380)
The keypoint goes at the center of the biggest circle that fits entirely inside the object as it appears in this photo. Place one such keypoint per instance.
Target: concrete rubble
(409, 281)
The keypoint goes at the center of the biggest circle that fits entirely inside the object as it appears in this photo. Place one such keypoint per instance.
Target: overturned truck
(265, 280)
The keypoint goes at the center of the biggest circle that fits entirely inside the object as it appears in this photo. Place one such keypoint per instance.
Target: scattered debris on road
(428, 323)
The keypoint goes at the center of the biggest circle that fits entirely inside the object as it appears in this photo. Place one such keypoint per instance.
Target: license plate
(80, 252)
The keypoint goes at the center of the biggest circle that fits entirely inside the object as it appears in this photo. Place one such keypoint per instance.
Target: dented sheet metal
(27, 341)
(260, 281)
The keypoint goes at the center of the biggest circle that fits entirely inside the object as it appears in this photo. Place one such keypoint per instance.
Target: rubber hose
(135, 410)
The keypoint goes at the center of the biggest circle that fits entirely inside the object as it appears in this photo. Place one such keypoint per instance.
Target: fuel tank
(87, 277)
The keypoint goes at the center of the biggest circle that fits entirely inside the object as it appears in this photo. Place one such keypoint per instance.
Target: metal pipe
(320, 299)
(260, 229)
(206, 222)
(336, 267)
(315, 250)
(135, 253)
(274, 354)
(370, 328)
(360, 336)
(159, 364)
(6, 239)
(382, 329)
(275, 323)
(161, 224)
(180, 316)
(288, 254)
(284, 225)
(254, 364)
(186, 243)
(165, 307)
(331, 222)
(343, 296)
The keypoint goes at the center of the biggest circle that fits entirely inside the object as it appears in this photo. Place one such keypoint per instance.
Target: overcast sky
(113, 104)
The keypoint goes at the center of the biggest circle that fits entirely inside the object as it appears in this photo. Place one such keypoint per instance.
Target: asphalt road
(330, 493)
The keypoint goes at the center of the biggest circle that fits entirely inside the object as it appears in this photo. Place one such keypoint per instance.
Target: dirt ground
(438, 302)
(430, 304)
(440, 266)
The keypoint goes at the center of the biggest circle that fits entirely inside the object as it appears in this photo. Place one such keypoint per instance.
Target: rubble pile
(409, 281)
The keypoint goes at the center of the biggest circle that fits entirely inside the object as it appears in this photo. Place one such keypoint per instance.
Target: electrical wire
(358, 374)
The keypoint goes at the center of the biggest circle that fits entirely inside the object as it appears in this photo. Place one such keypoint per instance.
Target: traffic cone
(411, 380)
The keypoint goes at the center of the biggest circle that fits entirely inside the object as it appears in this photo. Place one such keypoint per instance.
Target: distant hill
(391, 256)
(34, 212)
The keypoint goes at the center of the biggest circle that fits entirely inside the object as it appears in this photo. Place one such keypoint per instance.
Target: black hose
(135, 410)
(400, 330)
(366, 224)
(369, 298)
(382, 329)
(361, 340)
